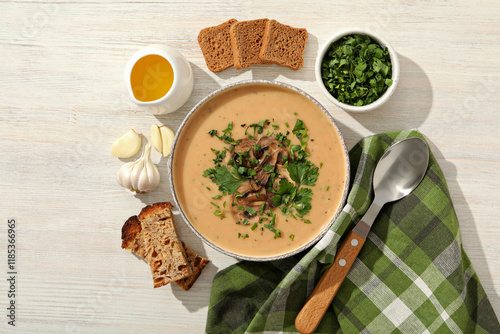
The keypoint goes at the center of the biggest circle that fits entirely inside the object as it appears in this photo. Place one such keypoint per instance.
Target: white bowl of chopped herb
(357, 69)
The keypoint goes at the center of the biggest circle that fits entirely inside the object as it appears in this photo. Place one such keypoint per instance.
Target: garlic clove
(150, 178)
(140, 176)
(156, 137)
(123, 176)
(167, 139)
(135, 175)
(127, 145)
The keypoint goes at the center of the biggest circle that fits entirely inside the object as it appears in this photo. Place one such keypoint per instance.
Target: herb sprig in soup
(263, 172)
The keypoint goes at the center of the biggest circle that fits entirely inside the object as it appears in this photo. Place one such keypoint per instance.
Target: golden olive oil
(151, 78)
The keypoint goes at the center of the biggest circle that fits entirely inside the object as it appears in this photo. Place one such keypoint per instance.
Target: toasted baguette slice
(246, 41)
(197, 262)
(165, 254)
(133, 240)
(284, 45)
(215, 44)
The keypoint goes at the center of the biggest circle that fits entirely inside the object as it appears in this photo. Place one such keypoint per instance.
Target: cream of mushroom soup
(259, 170)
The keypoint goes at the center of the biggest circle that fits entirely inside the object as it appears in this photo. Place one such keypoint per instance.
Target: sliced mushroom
(257, 193)
(254, 186)
(283, 173)
(262, 177)
(269, 153)
(281, 156)
(248, 199)
(245, 149)
(243, 190)
(267, 144)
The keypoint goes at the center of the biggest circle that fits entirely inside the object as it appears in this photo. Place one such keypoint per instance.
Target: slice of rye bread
(215, 44)
(166, 256)
(284, 45)
(246, 41)
(197, 262)
(133, 240)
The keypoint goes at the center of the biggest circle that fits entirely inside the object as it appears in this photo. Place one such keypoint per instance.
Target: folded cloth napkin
(411, 276)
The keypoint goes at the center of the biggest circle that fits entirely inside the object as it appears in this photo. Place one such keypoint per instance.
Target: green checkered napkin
(411, 276)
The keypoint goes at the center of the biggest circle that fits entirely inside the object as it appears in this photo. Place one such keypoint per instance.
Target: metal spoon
(398, 172)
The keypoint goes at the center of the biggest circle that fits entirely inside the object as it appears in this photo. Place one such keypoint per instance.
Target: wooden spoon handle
(313, 311)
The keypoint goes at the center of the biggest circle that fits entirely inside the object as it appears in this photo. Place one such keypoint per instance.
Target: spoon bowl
(400, 170)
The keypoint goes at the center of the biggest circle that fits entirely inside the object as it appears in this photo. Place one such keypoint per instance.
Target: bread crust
(284, 45)
(215, 44)
(132, 238)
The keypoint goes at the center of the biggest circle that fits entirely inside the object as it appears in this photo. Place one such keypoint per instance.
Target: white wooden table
(63, 103)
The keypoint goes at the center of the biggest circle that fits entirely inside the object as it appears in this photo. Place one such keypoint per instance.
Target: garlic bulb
(140, 176)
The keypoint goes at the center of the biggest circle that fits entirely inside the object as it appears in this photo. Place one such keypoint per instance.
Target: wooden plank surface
(64, 102)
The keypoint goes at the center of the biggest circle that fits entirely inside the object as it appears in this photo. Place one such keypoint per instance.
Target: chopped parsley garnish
(226, 137)
(283, 139)
(219, 155)
(261, 211)
(272, 174)
(225, 179)
(300, 131)
(229, 128)
(251, 211)
(291, 196)
(270, 226)
(303, 172)
(268, 168)
(258, 128)
(302, 202)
